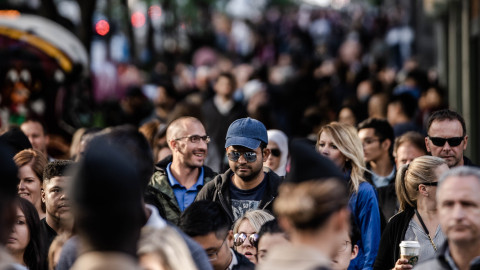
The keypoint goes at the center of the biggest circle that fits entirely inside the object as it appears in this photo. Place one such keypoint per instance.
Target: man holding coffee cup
(458, 204)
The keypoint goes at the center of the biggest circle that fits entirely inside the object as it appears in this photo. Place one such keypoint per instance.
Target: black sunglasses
(453, 141)
(249, 156)
(275, 152)
(239, 238)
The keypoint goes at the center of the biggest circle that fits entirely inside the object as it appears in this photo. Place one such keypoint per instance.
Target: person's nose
(64, 197)
(246, 243)
(21, 185)
(242, 159)
(458, 213)
(446, 147)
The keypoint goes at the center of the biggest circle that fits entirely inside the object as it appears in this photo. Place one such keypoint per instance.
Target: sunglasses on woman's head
(239, 239)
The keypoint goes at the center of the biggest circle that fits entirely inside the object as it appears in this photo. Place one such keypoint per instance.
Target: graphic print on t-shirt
(239, 207)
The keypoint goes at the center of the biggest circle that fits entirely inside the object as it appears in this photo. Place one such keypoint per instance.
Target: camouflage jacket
(166, 196)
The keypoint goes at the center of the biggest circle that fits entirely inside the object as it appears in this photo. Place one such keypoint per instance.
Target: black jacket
(468, 162)
(243, 262)
(218, 190)
(393, 235)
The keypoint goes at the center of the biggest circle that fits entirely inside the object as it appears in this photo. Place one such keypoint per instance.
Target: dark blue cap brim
(242, 141)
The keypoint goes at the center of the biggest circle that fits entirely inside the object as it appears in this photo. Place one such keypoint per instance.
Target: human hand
(402, 264)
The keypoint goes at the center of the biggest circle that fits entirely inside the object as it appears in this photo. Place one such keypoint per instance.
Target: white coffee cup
(410, 250)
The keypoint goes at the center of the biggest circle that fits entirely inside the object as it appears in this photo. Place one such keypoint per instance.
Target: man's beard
(249, 177)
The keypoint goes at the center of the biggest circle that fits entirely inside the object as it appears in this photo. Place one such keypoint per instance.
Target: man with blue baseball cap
(247, 184)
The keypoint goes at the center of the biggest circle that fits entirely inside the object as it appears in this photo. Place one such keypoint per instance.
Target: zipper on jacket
(269, 202)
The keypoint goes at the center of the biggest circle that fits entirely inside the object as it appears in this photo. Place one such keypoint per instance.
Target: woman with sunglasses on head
(341, 144)
(278, 145)
(246, 231)
(25, 242)
(30, 165)
(416, 186)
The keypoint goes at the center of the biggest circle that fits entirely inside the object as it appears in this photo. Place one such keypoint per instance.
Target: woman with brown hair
(30, 165)
(417, 220)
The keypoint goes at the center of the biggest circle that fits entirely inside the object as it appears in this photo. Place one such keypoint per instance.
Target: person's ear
(266, 154)
(427, 145)
(43, 195)
(172, 144)
(354, 252)
(466, 142)
(230, 239)
(386, 144)
(423, 190)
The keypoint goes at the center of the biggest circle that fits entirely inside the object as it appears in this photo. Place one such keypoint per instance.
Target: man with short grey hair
(458, 205)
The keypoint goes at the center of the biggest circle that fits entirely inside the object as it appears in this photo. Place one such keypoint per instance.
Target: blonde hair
(168, 245)
(308, 205)
(256, 218)
(410, 176)
(347, 141)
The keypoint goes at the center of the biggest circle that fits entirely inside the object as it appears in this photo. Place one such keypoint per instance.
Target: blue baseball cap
(246, 132)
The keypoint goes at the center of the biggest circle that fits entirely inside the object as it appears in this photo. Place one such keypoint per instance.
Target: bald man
(180, 177)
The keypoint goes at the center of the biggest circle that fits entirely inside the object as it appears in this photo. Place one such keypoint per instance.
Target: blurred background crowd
(294, 65)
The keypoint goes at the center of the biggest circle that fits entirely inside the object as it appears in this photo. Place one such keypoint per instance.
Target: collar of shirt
(453, 265)
(449, 259)
(234, 260)
(382, 181)
(174, 182)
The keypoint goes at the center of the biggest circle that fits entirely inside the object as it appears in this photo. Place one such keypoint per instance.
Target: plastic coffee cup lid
(410, 244)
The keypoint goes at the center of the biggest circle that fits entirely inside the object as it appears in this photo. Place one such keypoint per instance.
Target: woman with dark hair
(30, 165)
(24, 242)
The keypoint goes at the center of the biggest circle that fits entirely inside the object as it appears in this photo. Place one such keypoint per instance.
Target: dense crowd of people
(345, 201)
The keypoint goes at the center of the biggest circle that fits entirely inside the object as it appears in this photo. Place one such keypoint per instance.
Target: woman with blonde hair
(163, 249)
(341, 144)
(416, 186)
(30, 165)
(246, 231)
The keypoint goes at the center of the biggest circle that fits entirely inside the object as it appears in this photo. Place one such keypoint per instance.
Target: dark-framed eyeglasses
(195, 138)
(453, 141)
(275, 152)
(249, 156)
(213, 254)
(240, 238)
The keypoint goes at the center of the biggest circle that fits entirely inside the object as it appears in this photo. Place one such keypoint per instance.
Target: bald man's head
(179, 128)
